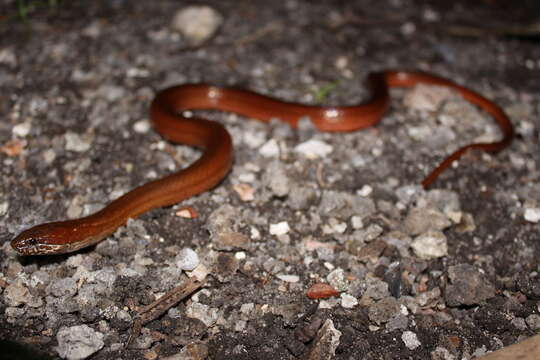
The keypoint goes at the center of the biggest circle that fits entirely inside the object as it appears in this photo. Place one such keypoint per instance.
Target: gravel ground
(449, 273)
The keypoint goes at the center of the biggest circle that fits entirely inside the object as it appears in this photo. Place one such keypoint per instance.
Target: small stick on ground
(162, 305)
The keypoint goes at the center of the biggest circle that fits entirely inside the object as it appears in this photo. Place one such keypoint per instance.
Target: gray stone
(325, 344)
(384, 310)
(533, 321)
(78, 342)
(17, 294)
(430, 245)
(276, 179)
(187, 259)
(344, 205)
(468, 286)
(301, 197)
(410, 340)
(421, 220)
(197, 23)
(63, 287)
(202, 312)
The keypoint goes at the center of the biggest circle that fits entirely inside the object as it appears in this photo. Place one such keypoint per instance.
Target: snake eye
(31, 241)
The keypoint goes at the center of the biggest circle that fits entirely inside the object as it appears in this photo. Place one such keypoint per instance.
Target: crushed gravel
(447, 273)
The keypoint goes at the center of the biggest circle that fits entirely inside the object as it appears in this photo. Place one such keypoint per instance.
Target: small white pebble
(77, 143)
(245, 191)
(49, 155)
(254, 139)
(7, 57)
(240, 255)
(254, 233)
(280, 228)
(197, 23)
(341, 62)
(200, 272)
(4, 208)
(365, 191)
(327, 304)
(187, 259)
(141, 126)
(356, 222)
(455, 216)
(532, 215)
(348, 301)
(410, 340)
(270, 149)
(313, 149)
(430, 245)
(288, 278)
(246, 177)
(329, 265)
(22, 129)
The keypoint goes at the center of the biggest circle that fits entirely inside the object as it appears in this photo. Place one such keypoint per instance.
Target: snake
(169, 119)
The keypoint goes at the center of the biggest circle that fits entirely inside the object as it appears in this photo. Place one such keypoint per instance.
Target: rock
(77, 143)
(17, 294)
(325, 344)
(308, 332)
(288, 278)
(280, 228)
(187, 259)
(519, 323)
(300, 197)
(8, 57)
(372, 232)
(468, 286)
(372, 251)
(22, 129)
(276, 179)
(337, 279)
(430, 245)
(230, 240)
(409, 193)
(397, 322)
(197, 23)
(78, 342)
(528, 285)
(441, 353)
(532, 215)
(313, 149)
(533, 321)
(142, 126)
(374, 288)
(421, 220)
(410, 340)
(225, 267)
(63, 287)
(224, 220)
(443, 200)
(202, 312)
(384, 310)
(392, 276)
(348, 301)
(270, 149)
(344, 205)
(192, 351)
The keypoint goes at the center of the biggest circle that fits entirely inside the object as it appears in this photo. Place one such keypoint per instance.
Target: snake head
(44, 239)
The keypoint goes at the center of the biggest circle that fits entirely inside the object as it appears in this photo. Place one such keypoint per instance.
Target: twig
(161, 306)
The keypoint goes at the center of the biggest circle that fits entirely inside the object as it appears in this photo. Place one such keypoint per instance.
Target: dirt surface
(450, 273)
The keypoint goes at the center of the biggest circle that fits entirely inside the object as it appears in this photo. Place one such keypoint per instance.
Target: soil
(76, 80)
